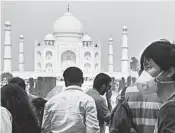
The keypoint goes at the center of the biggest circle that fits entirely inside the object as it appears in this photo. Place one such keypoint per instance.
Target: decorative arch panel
(87, 56)
(68, 59)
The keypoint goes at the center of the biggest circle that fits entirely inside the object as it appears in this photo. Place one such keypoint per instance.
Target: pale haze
(146, 22)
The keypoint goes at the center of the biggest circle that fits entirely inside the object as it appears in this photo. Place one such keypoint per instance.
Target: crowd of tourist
(147, 106)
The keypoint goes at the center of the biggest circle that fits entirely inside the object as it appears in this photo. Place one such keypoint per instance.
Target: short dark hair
(19, 81)
(101, 79)
(39, 102)
(162, 53)
(73, 75)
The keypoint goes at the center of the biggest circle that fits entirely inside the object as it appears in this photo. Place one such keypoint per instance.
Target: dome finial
(68, 7)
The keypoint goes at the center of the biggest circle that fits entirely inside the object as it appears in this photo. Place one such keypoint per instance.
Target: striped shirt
(144, 109)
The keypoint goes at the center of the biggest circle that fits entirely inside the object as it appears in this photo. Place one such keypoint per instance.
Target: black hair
(100, 80)
(73, 75)
(15, 100)
(162, 53)
(39, 104)
(19, 81)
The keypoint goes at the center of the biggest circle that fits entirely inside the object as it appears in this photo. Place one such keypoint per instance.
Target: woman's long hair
(15, 100)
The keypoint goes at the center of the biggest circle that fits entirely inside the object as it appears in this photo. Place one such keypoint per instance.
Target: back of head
(18, 81)
(73, 76)
(39, 102)
(12, 96)
(162, 53)
(15, 100)
(100, 80)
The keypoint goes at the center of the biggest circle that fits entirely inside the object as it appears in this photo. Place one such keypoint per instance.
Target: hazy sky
(146, 21)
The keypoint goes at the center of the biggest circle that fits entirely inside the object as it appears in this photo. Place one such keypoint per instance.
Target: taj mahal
(68, 45)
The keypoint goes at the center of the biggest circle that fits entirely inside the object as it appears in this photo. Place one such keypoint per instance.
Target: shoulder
(167, 112)
(166, 119)
(4, 111)
(5, 114)
(135, 99)
(55, 98)
(133, 94)
(87, 97)
(92, 93)
(5, 120)
(168, 107)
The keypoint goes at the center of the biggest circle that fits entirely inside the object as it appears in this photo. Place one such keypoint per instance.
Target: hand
(108, 94)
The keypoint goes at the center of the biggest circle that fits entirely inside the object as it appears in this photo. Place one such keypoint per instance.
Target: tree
(5, 78)
(134, 64)
(6, 75)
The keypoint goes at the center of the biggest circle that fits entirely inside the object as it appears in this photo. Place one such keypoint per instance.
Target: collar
(73, 87)
(95, 90)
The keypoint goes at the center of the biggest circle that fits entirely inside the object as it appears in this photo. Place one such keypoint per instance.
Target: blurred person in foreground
(19, 81)
(101, 86)
(15, 100)
(145, 108)
(71, 111)
(164, 82)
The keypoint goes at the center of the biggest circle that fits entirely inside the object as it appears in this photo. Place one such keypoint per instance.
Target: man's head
(19, 81)
(102, 83)
(158, 59)
(73, 76)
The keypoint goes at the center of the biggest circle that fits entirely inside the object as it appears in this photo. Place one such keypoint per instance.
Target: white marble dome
(125, 27)
(21, 36)
(7, 23)
(86, 38)
(110, 39)
(49, 37)
(68, 23)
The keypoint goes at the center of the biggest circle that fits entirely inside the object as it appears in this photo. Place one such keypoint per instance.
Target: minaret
(110, 56)
(7, 48)
(68, 7)
(21, 53)
(125, 60)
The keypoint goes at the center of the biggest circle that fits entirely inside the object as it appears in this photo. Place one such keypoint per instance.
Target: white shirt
(6, 121)
(71, 111)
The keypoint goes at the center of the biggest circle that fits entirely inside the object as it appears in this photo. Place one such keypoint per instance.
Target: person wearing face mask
(142, 96)
(164, 84)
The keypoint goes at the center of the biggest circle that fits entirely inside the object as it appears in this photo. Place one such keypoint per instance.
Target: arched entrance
(68, 59)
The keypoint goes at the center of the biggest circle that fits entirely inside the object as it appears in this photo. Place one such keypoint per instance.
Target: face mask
(151, 85)
(146, 84)
(144, 77)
